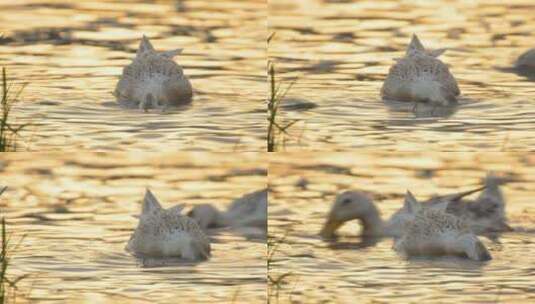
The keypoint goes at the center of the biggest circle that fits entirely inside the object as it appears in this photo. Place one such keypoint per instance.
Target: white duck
(432, 231)
(249, 210)
(421, 77)
(167, 233)
(485, 214)
(153, 80)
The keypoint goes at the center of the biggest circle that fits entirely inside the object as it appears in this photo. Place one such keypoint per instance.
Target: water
(71, 54)
(303, 187)
(76, 212)
(339, 52)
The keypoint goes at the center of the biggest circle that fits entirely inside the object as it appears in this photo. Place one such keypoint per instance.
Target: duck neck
(493, 188)
(372, 224)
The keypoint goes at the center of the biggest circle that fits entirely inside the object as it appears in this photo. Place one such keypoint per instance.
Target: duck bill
(329, 229)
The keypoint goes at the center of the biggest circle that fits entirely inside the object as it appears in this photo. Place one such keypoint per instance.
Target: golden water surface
(71, 53)
(76, 213)
(339, 53)
(352, 270)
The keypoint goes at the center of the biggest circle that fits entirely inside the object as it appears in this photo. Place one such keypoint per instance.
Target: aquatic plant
(3, 258)
(276, 284)
(276, 95)
(3, 263)
(9, 132)
(5, 251)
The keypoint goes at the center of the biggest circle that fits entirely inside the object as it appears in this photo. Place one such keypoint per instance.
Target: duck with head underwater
(167, 233)
(153, 80)
(420, 76)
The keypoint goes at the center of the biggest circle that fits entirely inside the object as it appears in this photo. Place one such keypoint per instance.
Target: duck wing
(454, 197)
(490, 203)
(402, 216)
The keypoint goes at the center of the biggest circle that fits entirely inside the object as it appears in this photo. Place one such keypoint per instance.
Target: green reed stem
(8, 131)
(3, 264)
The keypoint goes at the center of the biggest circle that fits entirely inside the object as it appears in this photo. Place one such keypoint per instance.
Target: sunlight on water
(340, 53)
(72, 53)
(76, 212)
(303, 188)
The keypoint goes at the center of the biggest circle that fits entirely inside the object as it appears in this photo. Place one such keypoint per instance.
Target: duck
(420, 76)
(250, 210)
(435, 232)
(153, 80)
(486, 214)
(526, 62)
(350, 205)
(164, 233)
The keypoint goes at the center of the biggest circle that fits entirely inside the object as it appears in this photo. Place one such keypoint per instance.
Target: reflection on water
(302, 191)
(72, 52)
(340, 53)
(77, 215)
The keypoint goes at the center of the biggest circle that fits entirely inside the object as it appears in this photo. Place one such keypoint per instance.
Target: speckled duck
(420, 77)
(434, 232)
(166, 233)
(153, 80)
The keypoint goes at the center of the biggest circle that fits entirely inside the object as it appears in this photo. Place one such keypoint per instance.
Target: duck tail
(202, 249)
(474, 248)
(481, 252)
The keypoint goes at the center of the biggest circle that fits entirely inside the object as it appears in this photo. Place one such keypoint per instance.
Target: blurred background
(71, 54)
(73, 214)
(337, 54)
(306, 269)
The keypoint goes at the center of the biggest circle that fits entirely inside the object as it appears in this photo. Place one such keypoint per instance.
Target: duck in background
(247, 214)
